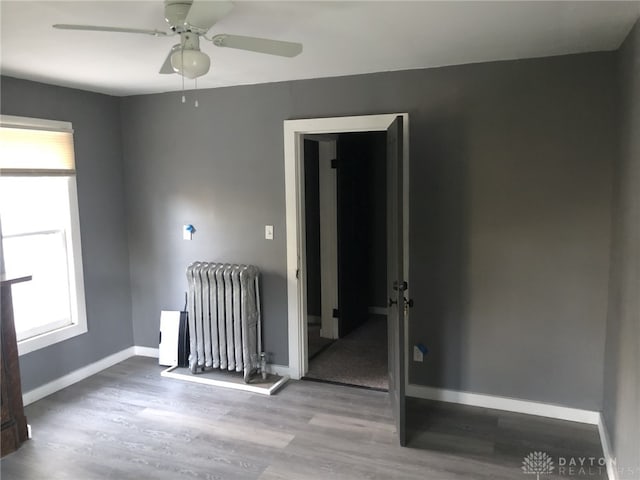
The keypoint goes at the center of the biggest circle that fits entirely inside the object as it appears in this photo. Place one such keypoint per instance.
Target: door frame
(294, 130)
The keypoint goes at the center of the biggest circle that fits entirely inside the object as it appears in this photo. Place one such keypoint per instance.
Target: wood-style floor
(129, 423)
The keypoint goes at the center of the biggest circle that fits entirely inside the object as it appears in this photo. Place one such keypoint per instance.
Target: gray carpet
(360, 358)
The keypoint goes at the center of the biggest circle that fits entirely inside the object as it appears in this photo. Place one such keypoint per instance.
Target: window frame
(77, 300)
(55, 322)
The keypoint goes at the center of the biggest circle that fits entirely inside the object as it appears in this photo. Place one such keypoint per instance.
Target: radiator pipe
(263, 365)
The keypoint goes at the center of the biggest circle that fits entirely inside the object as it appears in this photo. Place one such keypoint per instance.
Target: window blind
(30, 146)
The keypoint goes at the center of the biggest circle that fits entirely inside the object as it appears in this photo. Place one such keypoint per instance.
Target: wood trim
(146, 351)
(76, 282)
(282, 370)
(104, 363)
(504, 403)
(328, 238)
(77, 375)
(294, 130)
(12, 121)
(377, 310)
(607, 452)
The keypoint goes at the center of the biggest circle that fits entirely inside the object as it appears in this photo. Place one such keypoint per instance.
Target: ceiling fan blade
(203, 14)
(96, 28)
(260, 45)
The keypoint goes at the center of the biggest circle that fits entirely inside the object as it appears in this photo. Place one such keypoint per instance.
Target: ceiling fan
(192, 19)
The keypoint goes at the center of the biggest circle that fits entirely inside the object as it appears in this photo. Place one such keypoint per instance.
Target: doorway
(345, 233)
(397, 128)
(294, 131)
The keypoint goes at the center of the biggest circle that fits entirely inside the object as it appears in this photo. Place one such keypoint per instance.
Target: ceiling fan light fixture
(190, 63)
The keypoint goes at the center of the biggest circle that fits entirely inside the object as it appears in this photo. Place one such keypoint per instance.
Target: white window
(41, 230)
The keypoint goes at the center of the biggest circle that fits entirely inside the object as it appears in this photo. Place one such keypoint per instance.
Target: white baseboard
(378, 310)
(104, 363)
(504, 403)
(417, 391)
(612, 471)
(75, 376)
(282, 370)
(146, 352)
(527, 407)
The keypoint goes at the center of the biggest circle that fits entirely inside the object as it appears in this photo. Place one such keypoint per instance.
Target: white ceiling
(340, 38)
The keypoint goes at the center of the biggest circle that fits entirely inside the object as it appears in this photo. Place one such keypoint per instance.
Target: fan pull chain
(196, 102)
(182, 73)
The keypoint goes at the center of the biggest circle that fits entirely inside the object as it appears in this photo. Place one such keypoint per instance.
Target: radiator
(224, 318)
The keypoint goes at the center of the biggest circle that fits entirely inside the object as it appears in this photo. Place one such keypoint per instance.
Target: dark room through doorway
(346, 255)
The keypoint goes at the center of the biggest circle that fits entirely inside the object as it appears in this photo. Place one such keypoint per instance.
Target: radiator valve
(263, 365)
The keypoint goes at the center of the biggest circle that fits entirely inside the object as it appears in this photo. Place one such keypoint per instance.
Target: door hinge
(334, 163)
(336, 313)
(402, 286)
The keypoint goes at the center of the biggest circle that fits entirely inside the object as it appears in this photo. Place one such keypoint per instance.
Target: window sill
(46, 339)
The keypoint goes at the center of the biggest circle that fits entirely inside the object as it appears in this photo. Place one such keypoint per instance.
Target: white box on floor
(169, 335)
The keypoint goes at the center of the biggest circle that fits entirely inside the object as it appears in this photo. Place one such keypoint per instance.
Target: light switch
(268, 232)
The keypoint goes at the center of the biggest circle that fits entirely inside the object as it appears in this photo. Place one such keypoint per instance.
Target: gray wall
(622, 367)
(510, 233)
(105, 258)
(511, 166)
(219, 167)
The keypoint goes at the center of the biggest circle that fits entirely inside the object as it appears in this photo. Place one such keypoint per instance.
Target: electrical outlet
(418, 356)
